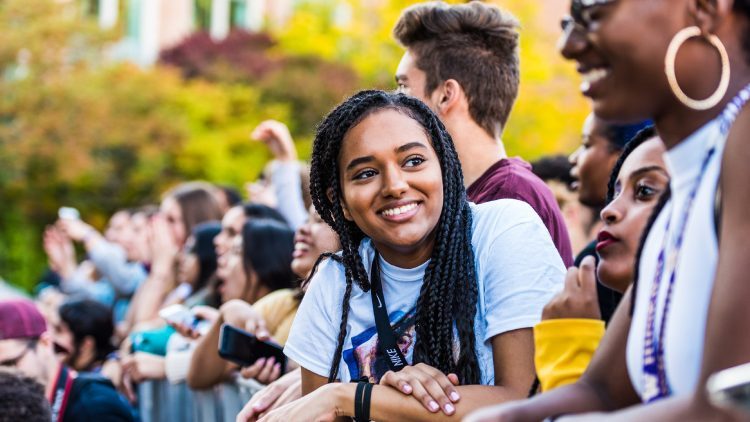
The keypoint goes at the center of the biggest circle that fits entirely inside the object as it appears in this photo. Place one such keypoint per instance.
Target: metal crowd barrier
(161, 401)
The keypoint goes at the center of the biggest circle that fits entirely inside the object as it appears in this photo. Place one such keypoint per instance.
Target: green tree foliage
(78, 130)
(104, 137)
(549, 112)
(310, 85)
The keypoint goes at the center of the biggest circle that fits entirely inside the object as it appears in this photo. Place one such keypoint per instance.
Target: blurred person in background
(22, 398)
(593, 161)
(196, 273)
(285, 185)
(256, 264)
(187, 205)
(555, 172)
(112, 271)
(137, 242)
(462, 61)
(236, 217)
(255, 271)
(182, 208)
(196, 268)
(312, 240)
(227, 197)
(82, 334)
(25, 344)
(571, 326)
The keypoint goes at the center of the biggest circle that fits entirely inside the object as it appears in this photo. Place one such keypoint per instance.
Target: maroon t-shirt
(512, 178)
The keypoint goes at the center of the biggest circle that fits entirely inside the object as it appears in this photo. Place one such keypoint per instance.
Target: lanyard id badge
(387, 345)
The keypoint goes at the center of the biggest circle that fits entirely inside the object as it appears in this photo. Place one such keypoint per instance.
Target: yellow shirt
(563, 349)
(278, 310)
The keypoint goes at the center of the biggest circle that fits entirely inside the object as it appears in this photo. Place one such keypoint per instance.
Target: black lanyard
(386, 338)
(61, 393)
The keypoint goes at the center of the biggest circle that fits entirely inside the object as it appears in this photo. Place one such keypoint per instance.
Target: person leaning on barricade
(268, 318)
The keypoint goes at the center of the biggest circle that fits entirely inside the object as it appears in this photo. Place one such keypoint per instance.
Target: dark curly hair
(23, 398)
(448, 296)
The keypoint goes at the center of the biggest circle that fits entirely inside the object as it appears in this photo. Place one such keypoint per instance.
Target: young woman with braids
(462, 284)
(686, 64)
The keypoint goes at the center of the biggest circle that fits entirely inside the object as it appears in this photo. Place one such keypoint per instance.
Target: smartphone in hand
(68, 213)
(179, 315)
(244, 349)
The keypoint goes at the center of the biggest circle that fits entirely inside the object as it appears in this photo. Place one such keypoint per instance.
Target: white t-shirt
(688, 310)
(518, 271)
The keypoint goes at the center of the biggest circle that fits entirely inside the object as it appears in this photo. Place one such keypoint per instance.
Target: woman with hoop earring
(686, 65)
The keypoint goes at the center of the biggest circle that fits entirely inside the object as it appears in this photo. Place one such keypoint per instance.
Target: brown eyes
(643, 191)
(366, 174)
(410, 162)
(413, 161)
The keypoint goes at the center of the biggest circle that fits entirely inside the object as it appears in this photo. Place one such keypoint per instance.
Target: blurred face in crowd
(136, 243)
(231, 228)
(234, 281)
(34, 358)
(188, 264)
(118, 228)
(312, 239)
(640, 182)
(173, 215)
(592, 163)
(77, 356)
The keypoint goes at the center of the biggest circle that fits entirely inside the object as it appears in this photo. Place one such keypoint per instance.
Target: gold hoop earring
(669, 68)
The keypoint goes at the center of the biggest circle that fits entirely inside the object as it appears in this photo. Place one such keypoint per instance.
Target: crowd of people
(413, 270)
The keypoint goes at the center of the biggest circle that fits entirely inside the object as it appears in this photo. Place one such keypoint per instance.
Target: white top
(696, 265)
(518, 271)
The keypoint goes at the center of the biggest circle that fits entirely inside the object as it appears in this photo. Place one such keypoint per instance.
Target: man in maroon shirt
(462, 61)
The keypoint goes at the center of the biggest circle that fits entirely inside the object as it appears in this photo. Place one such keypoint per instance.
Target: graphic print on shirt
(364, 359)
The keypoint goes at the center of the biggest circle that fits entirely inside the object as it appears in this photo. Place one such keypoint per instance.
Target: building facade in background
(151, 26)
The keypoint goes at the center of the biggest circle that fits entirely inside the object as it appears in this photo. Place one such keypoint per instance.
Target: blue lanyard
(655, 384)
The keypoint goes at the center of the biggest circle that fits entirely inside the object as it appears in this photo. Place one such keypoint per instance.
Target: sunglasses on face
(581, 14)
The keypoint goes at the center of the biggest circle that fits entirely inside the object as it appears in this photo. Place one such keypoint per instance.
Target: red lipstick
(604, 239)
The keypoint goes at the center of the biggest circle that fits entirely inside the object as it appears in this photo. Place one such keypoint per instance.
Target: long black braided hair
(448, 296)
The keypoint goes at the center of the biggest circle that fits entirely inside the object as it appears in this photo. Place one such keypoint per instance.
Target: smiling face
(392, 186)
(641, 181)
(619, 51)
(231, 228)
(62, 337)
(312, 239)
